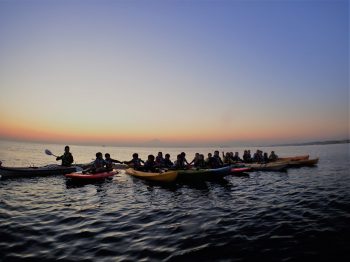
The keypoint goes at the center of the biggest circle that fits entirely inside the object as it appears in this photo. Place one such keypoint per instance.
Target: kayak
(168, 176)
(36, 171)
(204, 174)
(299, 163)
(293, 158)
(85, 177)
(273, 166)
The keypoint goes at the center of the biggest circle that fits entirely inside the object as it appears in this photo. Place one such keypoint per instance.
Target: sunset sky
(181, 72)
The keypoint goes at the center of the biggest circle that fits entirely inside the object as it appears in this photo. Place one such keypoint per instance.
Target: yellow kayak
(168, 176)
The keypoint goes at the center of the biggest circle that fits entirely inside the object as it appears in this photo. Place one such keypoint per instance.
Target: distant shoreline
(328, 142)
(161, 145)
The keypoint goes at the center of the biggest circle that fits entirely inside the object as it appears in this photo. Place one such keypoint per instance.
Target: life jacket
(168, 163)
(218, 162)
(136, 162)
(98, 163)
(149, 166)
(179, 164)
(199, 163)
(109, 163)
(159, 160)
(67, 159)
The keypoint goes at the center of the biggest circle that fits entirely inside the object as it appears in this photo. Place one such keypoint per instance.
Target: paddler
(135, 162)
(67, 157)
(109, 162)
(150, 165)
(273, 156)
(98, 166)
(167, 161)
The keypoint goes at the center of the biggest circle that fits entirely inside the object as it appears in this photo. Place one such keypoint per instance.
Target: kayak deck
(204, 174)
(168, 176)
(272, 166)
(97, 176)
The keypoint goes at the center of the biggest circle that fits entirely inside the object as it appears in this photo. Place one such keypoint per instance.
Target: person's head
(107, 156)
(183, 154)
(160, 154)
(272, 152)
(236, 153)
(66, 149)
(201, 156)
(167, 156)
(99, 155)
(209, 155)
(150, 158)
(179, 157)
(135, 155)
(216, 153)
(265, 154)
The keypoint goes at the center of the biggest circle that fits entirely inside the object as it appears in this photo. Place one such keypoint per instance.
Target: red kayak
(97, 176)
(238, 170)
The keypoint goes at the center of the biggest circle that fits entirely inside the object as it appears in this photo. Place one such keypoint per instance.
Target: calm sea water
(303, 213)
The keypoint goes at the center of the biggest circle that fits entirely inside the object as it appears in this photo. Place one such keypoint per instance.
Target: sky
(174, 72)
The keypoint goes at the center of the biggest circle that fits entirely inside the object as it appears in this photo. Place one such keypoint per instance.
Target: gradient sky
(182, 72)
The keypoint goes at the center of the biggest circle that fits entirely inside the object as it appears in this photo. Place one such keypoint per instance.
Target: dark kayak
(204, 174)
(6, 172)
(94, 177)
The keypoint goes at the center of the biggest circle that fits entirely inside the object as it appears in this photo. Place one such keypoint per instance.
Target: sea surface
(303, 213)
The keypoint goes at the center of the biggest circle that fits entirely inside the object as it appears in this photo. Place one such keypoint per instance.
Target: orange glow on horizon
(21, 132)
(111, 133)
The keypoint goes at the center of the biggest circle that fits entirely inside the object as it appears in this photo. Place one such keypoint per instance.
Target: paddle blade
(48, 152)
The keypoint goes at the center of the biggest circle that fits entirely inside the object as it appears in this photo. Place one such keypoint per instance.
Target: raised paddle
(48, 152)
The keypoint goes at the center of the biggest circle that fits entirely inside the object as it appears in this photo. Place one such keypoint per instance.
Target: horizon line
(165, 144)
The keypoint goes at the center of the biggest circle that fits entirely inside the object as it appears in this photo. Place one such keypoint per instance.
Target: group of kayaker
(259, 157)
(102, 165)
(152, 163)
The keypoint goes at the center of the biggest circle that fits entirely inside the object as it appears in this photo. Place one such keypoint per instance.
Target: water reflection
(81, 183)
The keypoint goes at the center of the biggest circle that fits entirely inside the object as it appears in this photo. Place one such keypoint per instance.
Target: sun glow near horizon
(122, 134)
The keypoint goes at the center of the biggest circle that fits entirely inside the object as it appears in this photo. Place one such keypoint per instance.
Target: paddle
(48, 152)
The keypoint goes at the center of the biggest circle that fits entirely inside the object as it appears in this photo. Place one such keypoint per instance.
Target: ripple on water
(300, 214)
